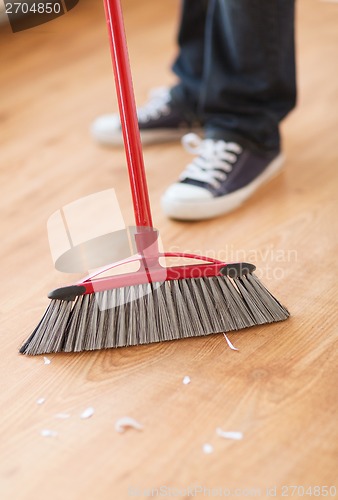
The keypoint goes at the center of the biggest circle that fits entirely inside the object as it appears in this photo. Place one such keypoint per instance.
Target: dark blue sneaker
(161, 119)
(221, 177)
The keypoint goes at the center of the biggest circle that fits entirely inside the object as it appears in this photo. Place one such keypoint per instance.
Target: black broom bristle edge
(154, 312)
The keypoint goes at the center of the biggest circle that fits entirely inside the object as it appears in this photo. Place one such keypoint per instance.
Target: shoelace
(157, 105)
(214, 161)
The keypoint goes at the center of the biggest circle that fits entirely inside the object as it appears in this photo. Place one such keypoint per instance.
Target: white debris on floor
(48, 433)
(230, 344)
(87, 413)
(208, 448)
(229, 434)
(124, 422)
(62, 416)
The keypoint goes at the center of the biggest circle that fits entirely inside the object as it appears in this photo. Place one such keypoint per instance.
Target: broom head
(153, 304)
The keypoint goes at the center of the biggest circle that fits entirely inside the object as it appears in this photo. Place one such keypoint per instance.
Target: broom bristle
(154, 312)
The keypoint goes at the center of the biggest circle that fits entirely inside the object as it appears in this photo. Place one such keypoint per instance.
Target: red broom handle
(128, 115)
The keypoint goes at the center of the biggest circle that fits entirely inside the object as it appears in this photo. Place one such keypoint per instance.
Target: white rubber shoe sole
(187, 202)
(107, 131)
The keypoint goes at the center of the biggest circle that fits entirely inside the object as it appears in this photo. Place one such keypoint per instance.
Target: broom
(155, 303)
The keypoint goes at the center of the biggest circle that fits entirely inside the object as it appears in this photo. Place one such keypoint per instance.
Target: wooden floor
(280, 389)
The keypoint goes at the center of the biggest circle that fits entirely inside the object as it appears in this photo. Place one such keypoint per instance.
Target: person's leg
(249, 69)
(189, 64)
(169, 113)
(248, 86)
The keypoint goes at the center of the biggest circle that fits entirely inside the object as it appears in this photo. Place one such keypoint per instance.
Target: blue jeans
(236, 67)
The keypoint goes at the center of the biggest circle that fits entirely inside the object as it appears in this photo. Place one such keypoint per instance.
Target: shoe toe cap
(107, 128)
(186, 193)
(185, 201)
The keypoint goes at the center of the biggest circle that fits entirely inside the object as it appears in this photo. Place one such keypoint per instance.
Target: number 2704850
(34, 8)
(311, 491)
